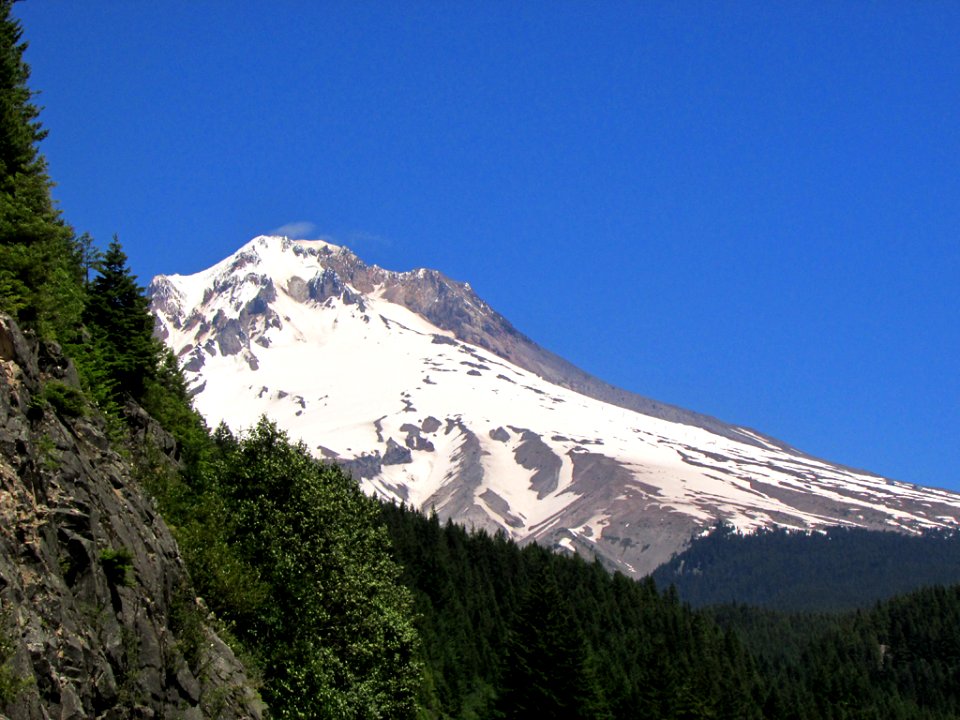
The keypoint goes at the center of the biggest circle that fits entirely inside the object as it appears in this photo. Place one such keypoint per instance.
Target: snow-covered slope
(428, 396)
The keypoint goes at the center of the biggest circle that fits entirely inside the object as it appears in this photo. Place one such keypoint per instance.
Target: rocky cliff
(97, 614)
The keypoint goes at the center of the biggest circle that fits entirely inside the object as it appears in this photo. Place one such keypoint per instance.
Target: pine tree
(547, 674)
(39, 278)
(118, 317)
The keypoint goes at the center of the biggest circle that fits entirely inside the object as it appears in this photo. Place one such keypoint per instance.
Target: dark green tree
(39, 277)
(87, 257)
(546, 673)
(118, 317)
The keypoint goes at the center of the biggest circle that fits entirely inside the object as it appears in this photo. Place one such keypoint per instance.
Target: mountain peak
(429, 396)
(284, 243)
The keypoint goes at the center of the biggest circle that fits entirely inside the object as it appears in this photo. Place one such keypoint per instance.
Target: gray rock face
(325, 285)
(415, 440)
(298, 289)
(500, 435)
(363, 466)
(534, 454)
(459, 499)
(396, 454)
(93, 592)
(430, 424)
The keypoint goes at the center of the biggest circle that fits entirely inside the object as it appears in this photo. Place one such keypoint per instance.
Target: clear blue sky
(750, 209)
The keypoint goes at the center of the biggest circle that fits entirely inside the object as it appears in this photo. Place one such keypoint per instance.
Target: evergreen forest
(837, 569)
(344, 607)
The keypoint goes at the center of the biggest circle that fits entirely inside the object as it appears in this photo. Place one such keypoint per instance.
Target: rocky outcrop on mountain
(97, 615)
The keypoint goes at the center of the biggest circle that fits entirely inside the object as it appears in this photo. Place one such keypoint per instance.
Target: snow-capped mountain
(430, 397)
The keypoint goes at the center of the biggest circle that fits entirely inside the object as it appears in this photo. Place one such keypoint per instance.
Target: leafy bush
(322, 606)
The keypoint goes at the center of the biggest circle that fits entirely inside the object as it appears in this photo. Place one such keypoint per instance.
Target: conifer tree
(546, 673)
(39, 278)
(119, 319)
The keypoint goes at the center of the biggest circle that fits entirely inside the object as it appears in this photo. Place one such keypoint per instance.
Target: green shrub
(11, 684)
(66, 400)
(118, 566)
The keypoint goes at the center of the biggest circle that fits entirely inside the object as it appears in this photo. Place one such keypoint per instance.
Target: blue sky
(749, 209)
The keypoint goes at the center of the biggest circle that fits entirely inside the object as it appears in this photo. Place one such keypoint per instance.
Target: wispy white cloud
(361, 239)
(356, 240)
(299, 230)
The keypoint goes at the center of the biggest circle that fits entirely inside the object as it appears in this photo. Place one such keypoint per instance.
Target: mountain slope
(430, 397)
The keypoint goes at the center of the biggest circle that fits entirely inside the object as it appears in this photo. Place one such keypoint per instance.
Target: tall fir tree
(40, 279)
(118, 316)
(546, 670)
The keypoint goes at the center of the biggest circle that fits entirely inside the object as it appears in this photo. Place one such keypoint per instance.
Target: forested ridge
(524, 632)
(346, 608)
(834, 569)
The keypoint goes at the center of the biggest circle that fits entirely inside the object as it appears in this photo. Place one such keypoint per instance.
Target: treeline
(41, 275)
(57, 283)
(839, 569)
(900, 659)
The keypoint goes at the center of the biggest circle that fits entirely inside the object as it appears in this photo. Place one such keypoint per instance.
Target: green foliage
(165, 397)
(118, 317)
(20, 129)
(87, 256)
(897, 660)
(66, 400)
(118, 566)
(187, 624)
(546, 671)
(89, 358)
(47, 450)
(773, 636)
(11, 684)
(295, 562)
(39, 279)
(551, 636)
(333, 634)
(233, 585)
(511, 632)
(129, 691)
